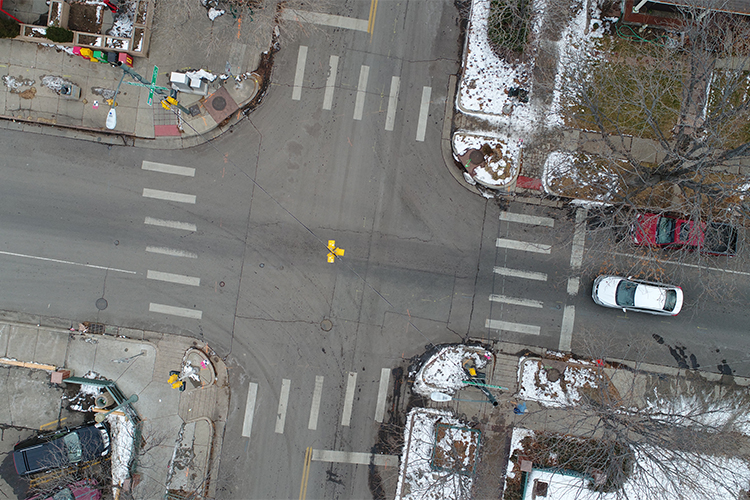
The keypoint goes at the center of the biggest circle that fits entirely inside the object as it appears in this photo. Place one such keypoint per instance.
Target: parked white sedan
(636, 295)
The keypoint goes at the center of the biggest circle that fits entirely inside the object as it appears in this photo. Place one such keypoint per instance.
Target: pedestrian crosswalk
(515, 310)
(298, 396)
(157, 174)
(508, 298)
(361, 101)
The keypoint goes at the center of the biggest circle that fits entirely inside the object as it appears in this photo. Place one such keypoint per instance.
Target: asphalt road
(330, 155)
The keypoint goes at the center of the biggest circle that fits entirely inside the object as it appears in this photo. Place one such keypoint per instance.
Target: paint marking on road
(390, 115)
(359, 103)
(252, 395)
(305, 473)
(494, 324)
(169, 196)
(283, 402)
(334, 21)
(59, 261)
(312, 424)
(172, 224)
(172, 252)
(424, 109)
(351, 385)
(574, 283)
(385, 380)
(299, 74)
(527, 219)
(371, 17)
(179, 279)
(524, 246)
(520, 273)
(729, 271)
(54, 422)
(353, 457)
(165, 168)
(566, 332)
(579, 239)
(516, 301)
(175, 311)
(330, 83)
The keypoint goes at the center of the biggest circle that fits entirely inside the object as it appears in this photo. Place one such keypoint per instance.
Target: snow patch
(444, 372)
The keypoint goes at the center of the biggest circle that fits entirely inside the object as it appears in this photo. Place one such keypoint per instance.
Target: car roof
(86, 489)
(649, 297)
(37, 453)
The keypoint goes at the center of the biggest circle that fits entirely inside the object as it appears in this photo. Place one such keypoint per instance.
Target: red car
(82, 490)
(670, 232)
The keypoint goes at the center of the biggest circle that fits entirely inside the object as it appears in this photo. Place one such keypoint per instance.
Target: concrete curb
(445, 141)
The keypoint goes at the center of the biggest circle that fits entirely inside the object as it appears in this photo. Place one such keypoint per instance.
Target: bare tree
(684, 89)
(640, 435)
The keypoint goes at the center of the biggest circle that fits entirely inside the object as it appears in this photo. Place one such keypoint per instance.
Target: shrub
(60, 35)
(9, 28)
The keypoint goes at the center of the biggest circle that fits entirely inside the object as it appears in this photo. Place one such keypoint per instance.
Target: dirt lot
(83, 17)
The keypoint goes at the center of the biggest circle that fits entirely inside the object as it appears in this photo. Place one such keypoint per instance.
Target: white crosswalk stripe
(424, 109)
(173, 224)
(169, 196)
(312, 423)
(359, 102)
(512, 327)
(299, 74)
(516, 301)
(165, 168)
(527, 219)
(390, 115)
(175, 311)
(283, 402)
(330, 82)
(520, 273)
(178, 279)
(524, 246)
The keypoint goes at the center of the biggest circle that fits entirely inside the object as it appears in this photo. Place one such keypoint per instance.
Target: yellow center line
(305, 474)
(53, 422)
(371, 19)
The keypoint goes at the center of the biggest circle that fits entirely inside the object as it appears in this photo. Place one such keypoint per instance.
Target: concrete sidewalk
(631, 382)
(225, 46)
(181, 430)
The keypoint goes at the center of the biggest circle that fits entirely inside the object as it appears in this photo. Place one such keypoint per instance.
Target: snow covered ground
(418, 479)
(489, 83)
(648, 475)
(647, 479)
(444, 372)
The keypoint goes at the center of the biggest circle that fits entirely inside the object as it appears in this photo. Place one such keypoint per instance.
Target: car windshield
(670, 301)
(625, 296)
(73, 445)
(65, 494)
(665, 231)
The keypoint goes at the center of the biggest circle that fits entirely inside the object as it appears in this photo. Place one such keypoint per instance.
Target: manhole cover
(476, 157)
(326, 325)
(219, 103)
(101, 304)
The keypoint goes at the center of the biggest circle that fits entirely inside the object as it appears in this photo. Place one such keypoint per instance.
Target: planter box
(58, 14)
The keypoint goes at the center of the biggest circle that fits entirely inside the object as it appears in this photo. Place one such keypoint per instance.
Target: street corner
(446, 369)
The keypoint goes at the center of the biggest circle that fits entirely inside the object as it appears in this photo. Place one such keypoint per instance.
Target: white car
(635, 295)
